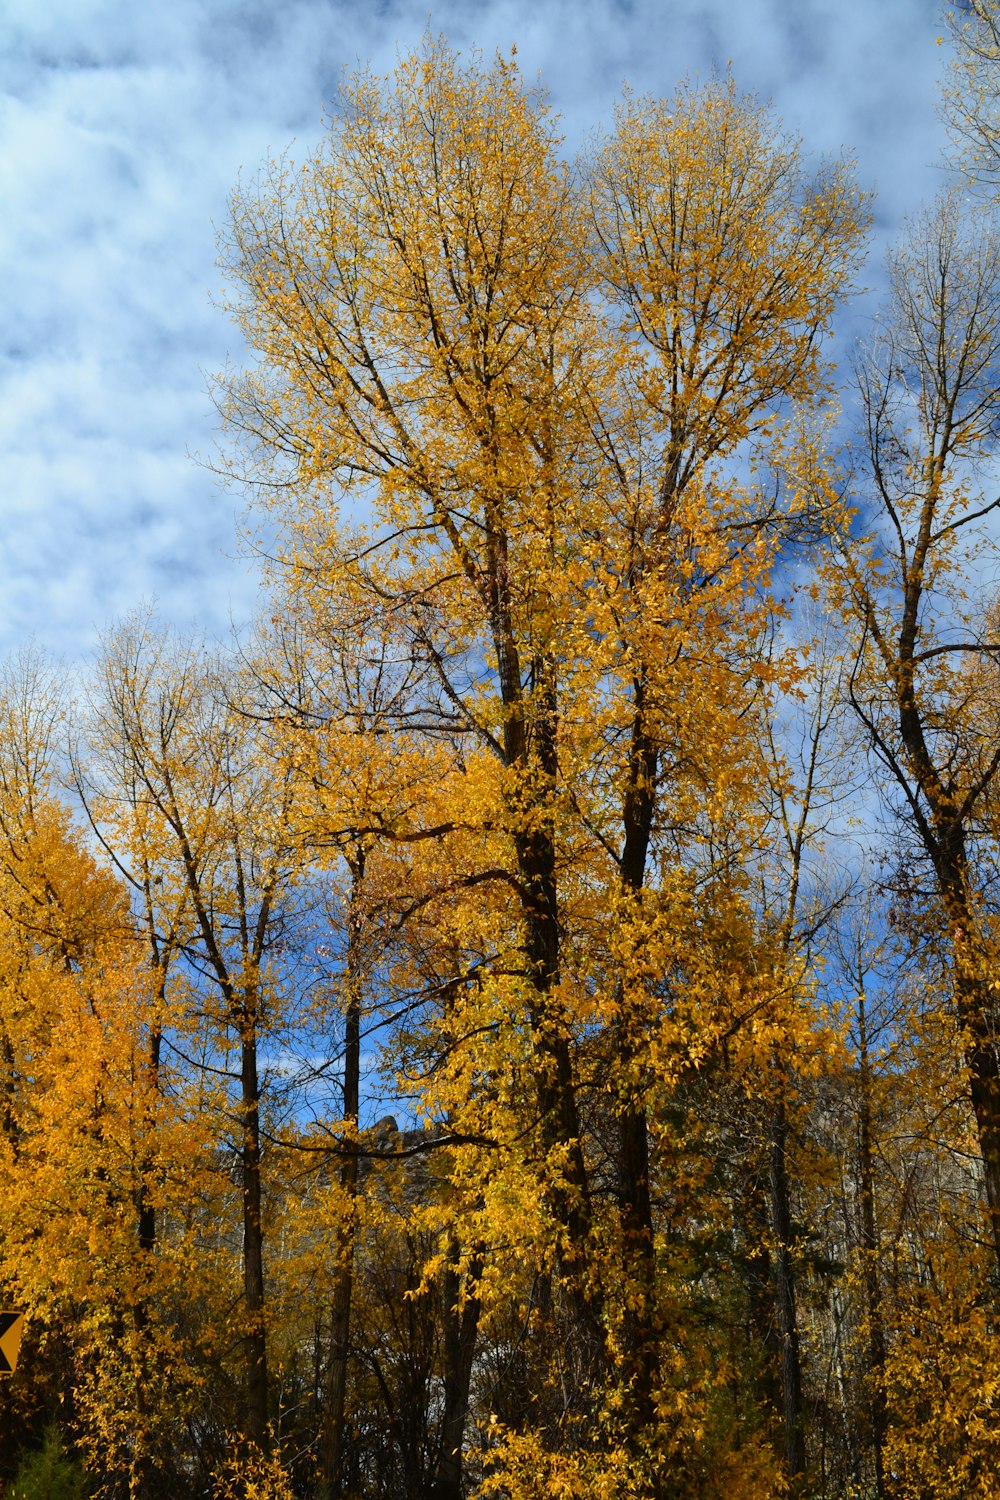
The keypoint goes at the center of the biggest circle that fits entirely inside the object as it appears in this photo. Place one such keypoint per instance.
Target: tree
(930, 387)
(199, 824)
(89, 1138)
(807, 785)
(329, 700)
(971, 97)
(723, 266)
(542, 388)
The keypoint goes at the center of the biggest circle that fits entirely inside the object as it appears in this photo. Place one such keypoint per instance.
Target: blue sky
(122, 130)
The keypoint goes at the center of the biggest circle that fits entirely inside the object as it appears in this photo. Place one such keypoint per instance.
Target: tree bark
(943, 832)
(332, 1451)
(255, 1343)
(531, 754)
(784, 1289)
(875, 1374)
(461, 1328)
(640, 1348)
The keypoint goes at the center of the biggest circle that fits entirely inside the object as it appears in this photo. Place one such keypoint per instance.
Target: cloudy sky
(123, 127)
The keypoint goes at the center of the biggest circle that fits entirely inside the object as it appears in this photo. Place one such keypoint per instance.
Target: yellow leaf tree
(197, 818)
(94, 1139)
(533, 415)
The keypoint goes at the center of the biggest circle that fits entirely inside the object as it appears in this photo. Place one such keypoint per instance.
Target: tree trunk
(532, 757)
(568, 1194)
(255, 1343)
(146, 1208)
(974, 1007)
(784, 1288)
(332, 1450)
(461, 1327)
(943, 835)
(754, 1218)
(875, 1374)
(640, 1347)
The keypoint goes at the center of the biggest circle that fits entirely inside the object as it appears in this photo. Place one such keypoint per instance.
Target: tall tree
(90, 1140)
(930, 389)
(332, 700)
(542, 388)
(199, 822)
(721, 264)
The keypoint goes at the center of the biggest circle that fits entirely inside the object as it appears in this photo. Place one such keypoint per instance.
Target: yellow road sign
(11, 1324)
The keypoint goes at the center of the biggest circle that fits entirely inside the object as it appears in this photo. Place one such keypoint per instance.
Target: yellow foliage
(942, 1382)
(253, 1475)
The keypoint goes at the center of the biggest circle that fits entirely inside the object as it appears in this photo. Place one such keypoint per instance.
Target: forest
(523, 1021)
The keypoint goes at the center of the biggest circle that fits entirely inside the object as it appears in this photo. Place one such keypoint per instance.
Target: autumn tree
(332, 700)
(724, 267)
(806, 784)
(197, 821)
(971, 94)
(539, 389)
(92, 1141)
(929, 389)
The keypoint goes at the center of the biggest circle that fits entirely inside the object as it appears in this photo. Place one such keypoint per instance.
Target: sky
(123, 128)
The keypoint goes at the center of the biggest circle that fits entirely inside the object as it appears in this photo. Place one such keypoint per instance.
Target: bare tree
(930, 392)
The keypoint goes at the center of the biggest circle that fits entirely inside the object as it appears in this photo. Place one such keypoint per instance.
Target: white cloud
(122, 129)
